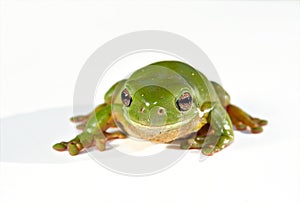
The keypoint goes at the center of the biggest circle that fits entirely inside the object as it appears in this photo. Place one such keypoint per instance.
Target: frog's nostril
(142, 109)
(161, 111)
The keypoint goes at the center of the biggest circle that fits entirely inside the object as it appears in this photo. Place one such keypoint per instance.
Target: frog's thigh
(223, 131)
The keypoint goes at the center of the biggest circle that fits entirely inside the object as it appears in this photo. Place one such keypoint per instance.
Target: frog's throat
(167, 133)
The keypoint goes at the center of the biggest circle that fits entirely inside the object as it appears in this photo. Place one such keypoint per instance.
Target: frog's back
(201, 85)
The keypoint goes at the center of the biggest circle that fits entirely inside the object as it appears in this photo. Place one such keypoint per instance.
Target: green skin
(154, 113)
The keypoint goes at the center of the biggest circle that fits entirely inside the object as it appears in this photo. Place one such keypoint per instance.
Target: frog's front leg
(216, 134)
(94, 126)
(93, 134)
(222, 132)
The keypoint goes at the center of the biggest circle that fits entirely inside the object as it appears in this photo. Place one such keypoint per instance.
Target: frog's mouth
(162, 134)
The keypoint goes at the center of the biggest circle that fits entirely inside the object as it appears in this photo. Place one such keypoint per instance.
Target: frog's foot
(208, 143)
(196, 141)
(215, 143)
(73, 146)
(86, 140)
(82, 141)
(241, 120)
(216, 135)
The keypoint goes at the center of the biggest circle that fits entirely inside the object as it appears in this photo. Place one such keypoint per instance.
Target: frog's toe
(61, 146)
(260, 122)
(100, 140)
(263, 122)
(115, 135)
(208, 150)
(74, 148)
(79, 119)
(80, 126)
(256, 129)
(100, 143)
(239, 125)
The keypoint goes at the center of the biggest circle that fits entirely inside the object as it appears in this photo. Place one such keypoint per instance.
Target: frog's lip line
(164, 127)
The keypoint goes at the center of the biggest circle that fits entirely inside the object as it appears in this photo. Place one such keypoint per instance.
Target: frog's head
(156, 106)
(153, 104)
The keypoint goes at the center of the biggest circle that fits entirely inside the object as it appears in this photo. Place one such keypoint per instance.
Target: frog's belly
(163, 134)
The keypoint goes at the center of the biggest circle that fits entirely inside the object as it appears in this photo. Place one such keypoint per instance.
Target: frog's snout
(153, 106)
(157, 116)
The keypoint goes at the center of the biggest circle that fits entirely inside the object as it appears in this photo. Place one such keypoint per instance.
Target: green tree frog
(163, 102)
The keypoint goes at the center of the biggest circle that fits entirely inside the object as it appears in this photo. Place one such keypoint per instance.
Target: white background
(255, 47)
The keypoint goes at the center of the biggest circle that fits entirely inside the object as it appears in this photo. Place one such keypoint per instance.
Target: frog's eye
(126, 98)
(184, 102)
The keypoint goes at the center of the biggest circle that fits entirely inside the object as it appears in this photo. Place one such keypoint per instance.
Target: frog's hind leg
(94, 126)
(239, 118)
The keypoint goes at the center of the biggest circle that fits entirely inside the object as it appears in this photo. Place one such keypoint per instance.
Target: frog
(164, 102)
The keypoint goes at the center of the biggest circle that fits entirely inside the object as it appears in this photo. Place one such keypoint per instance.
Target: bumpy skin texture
(163, 102)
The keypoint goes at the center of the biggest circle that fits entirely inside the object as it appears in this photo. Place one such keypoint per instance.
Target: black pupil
(126, 98)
